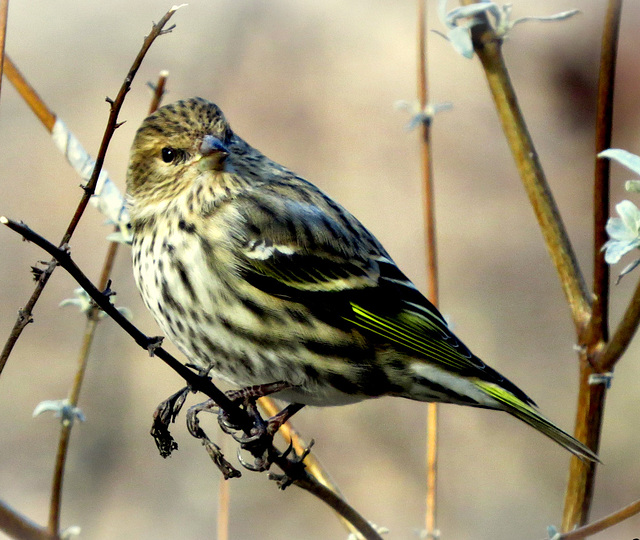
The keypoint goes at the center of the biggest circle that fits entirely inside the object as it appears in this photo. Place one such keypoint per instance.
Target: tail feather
(528, 414)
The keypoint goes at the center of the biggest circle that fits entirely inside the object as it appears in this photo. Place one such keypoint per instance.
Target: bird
(259, 277)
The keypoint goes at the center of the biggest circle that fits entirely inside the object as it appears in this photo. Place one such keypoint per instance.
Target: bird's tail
(531, 416)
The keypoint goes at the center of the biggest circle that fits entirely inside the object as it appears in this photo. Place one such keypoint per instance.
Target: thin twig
(24, 316)
(603, 524)
(237, 416)
(158, 91)
(599, 324)
(222, 525)
(431, 255)
(488, 47)
(4, 13)
(591, 398)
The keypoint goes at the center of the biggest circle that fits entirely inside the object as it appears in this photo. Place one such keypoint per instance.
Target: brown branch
(16, 525)
(589, 417)
(431, 255)
(597, 356)
(93, 317)
(488, 47)
(24, 316)
(158, 91)
(604, 523)
(599, 324)
(4, 13)
(29, 95)
(237, 416)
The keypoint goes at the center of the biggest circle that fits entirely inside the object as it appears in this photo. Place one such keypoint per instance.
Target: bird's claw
(216, 455)
(296, 469)
(164, 415)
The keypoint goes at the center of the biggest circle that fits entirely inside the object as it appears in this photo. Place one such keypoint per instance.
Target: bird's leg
(247, 397)
(193, 425)
(275, 422)
(164, 414)
(259, 442)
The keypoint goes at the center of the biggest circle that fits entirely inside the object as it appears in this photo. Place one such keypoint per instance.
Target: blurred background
(313, 85)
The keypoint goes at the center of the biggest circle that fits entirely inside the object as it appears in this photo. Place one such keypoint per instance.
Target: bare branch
(18, 526)
(602, 524)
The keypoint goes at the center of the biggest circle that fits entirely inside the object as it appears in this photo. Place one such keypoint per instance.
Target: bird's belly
(226, 327)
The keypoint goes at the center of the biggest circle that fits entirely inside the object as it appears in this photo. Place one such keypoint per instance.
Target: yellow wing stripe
(406, 336)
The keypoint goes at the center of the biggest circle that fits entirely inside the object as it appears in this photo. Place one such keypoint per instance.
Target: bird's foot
(247, 397)
(259, 440)
(296, 467)
(165, 414)
(193, 425)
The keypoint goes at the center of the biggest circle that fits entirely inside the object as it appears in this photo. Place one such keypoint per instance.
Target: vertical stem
(222, 528)
(604, 122)
(74, 396)
(591, 398)
(93, 318)
(582, 475)
(432, 262)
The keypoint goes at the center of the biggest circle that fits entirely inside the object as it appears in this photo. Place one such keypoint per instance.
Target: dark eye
(169, 154)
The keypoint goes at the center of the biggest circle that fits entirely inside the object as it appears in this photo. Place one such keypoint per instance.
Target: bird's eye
(169, 154)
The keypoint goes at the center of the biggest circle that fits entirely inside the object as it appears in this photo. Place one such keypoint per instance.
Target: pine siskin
(258, 276)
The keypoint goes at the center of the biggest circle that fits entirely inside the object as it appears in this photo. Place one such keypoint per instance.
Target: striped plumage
(258, 276)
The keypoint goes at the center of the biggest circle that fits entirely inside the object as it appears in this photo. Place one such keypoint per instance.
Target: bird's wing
(335, 267)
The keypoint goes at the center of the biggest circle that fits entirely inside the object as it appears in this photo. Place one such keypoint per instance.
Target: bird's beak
(212, 145)
(213, 153)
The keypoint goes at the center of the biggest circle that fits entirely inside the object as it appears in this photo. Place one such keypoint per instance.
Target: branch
(487, 46)
(93, 317)
(432, 259)
(198, 383)
(599, 324)
(29, 95)
(24, 316)
(602, 524)
(597, 356)
(16, 525)
(4, 13)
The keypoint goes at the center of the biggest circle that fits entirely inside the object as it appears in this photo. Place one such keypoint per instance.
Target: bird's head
(175, 147)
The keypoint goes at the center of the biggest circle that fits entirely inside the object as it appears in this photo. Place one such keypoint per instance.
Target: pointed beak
(213, 154)
(211, 146)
